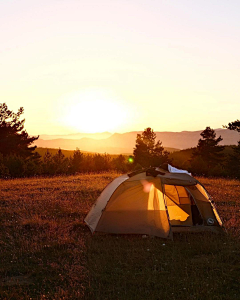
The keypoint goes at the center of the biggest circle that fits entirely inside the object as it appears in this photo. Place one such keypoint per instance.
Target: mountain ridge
(118, 143)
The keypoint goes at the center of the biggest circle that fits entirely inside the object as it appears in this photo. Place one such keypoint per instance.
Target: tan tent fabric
(131, 210)
(204, 192)
(177, 179)
(95, 213)
(154, 205)
(203, 205)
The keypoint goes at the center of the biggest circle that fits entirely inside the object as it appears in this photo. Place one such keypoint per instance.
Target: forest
(18, 158)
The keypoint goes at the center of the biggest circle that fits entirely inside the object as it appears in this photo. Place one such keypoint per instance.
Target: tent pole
(213, 206)
(165, 203)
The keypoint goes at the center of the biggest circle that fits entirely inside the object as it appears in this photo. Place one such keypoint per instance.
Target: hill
(120, 143)
(66, 153)
(181, 158)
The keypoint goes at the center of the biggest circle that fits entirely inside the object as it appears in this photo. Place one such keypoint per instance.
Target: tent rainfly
(154, 202)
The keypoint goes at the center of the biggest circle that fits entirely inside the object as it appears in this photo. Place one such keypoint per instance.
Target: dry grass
(226, 194)
(42, 235)
(47, 252)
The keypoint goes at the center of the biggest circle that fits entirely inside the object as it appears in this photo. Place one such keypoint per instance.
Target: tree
(233, 126)
(120, 163)
(4, 171)
(101, 162)
(76, 161)
(233, 161)
(147, 152)
(208, 152)
(15, 165)
(48, 164)
(13, 138)
(60, 162)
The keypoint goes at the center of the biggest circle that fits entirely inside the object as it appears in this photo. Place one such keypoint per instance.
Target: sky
(119, 66)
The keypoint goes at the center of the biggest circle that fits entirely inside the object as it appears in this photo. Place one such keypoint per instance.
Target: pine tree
(48, 164)
(13, 138)
(147, 152)
(208, 152)
(233, 126)
(76, 161)
(60, 162)
(233, 161)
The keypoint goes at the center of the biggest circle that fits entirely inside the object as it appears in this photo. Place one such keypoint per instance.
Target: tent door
(197, 218)
(179, 212)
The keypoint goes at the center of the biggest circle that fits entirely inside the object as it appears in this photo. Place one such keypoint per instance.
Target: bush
(15, 165)
(199, 166)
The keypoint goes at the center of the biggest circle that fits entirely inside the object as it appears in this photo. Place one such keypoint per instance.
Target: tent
(154, 202)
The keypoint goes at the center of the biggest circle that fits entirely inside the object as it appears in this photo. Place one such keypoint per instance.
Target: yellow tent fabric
(154, 205)
(133, 210)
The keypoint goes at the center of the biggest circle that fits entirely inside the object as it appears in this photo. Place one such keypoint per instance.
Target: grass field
(47, 252)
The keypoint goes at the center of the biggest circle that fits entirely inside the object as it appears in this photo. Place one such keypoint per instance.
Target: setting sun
(93, 111)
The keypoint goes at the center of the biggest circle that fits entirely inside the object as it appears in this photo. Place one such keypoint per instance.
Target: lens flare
(146, 186)
(131, 160)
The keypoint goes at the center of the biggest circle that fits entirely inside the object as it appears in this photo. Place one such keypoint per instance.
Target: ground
(47, 252)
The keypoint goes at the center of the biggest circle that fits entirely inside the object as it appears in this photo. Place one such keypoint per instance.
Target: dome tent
(154, 202)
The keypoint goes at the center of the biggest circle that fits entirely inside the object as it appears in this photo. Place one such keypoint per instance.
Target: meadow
(47, 251)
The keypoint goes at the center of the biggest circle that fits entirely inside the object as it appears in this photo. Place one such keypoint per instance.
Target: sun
(94, 111)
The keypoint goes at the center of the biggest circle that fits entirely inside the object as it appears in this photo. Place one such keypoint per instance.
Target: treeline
(211, 159)
(229, 166)
(18, 158)
(208, 158)
(14, 165)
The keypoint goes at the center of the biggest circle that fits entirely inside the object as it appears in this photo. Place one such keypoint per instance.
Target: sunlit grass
(47, 252)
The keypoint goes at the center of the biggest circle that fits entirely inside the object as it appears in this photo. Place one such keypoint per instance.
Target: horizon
(104, 132)
(118, 143)
(75, 66)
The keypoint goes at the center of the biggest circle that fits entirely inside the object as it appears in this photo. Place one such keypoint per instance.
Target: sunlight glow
(94, 111)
